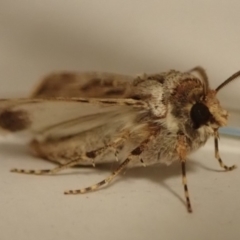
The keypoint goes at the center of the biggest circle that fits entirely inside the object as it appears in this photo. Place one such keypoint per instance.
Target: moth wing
(45, 115)
(85, 84)
(54, 119)
(61, 118)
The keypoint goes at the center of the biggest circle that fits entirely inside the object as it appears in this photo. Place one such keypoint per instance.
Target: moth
(92, 118)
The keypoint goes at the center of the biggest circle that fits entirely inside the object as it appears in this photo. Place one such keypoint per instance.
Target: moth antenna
(228, 80)
(202, 73)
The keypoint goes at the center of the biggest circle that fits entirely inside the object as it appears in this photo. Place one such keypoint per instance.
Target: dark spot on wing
(115, 91)
(137, 151)
(97, 82)
(136, 97)
(140, 96)
(93, 83)
(91, 154)
(14, 120)
(83, 100)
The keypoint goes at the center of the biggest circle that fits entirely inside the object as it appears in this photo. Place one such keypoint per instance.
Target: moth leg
(181, 149)
(217, 155)
(136, 152)
(113, 146)
(184, 181)
(89, 156)
(48, 171)
(101, 183)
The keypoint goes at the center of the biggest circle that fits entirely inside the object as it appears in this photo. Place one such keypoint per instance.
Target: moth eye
(200, 114)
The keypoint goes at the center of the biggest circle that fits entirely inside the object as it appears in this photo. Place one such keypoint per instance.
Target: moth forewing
(38, 115)
(84, 84)
(142, 120)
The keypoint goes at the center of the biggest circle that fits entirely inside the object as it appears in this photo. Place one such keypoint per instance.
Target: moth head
(208, 110)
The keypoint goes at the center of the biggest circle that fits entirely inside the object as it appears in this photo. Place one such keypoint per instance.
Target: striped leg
(48, 171)
(136, 152)
(217, 156)
(184, 181)
(89, 156)
(182, 151)
(101, 183)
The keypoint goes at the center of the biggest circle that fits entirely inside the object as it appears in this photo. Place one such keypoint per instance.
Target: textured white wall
(120, 36)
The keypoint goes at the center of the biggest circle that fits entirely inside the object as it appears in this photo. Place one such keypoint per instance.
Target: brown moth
(92, 118)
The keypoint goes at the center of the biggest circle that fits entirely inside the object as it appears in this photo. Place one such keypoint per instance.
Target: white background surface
(125, 37)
